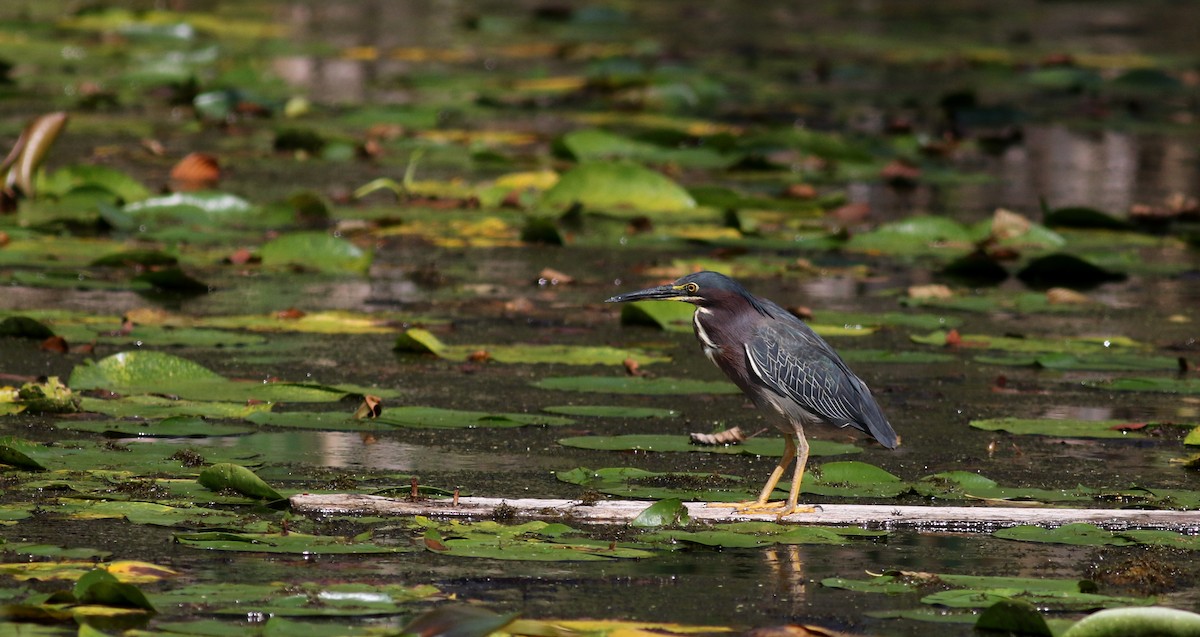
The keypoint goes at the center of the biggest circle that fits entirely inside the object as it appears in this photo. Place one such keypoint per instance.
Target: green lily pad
(21, 453)
(1073, 428)
(172, 427)
(1070, 345)
(853, 479)
(438, 418)
(80, 176)
(151, 513)
(150, 407)
(757, 446)
(531, 541)
(673, 317)
(590, 144)
(422, 341)
(1137, 622)
(612, 411)
(293, 599)
(317, 251)
(1056, 600)
(323, 421)
(660, 385)
(958, 485)
(1162, 385)
(638, 483)
(1073, 534)
(756, 534)
(979, 591)
(617, 188)
(290, 542)
(1105, 361)
(150, 372)
(916, 236)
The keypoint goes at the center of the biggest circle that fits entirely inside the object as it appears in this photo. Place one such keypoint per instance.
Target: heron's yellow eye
(691, 288)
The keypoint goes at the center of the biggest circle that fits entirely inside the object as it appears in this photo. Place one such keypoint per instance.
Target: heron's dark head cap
(701, 288)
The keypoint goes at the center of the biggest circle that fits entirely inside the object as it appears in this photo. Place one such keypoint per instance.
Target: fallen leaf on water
(1066, 296)
(550, 276)
(55, 344)
(196, 171)
(731, 436)
(371, 407)
(931, 291)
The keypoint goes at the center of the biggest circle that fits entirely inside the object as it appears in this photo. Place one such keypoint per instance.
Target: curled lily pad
(668, 512)
(98, 586)
(238, 478)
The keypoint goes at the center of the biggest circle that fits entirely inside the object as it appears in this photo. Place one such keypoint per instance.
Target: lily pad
(422, 341)
(758, 446)
(660, 385)
(172, 427)
(612, 411)
(531, 541)
(226, 475)
(317, 251)
(290, 542)
(638, 483)
(1163, 385)
(1069, 427)
(150, 372)
(1071, 345)
(1073, 534)
(416, 416)
(917, 236)
(617, 188)
(853, 479)
(297, 599)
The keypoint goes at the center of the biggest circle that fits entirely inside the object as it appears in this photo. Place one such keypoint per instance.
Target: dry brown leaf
(1066, 296)
(800, 191)
(1007, 224)
(371, 407)
(55, 344)
(550, 276)
(731, 436)
(290, 314)
(196, 171)
(931, 291)
(900, 172)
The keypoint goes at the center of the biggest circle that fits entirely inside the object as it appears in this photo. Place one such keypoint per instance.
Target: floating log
(978, 519)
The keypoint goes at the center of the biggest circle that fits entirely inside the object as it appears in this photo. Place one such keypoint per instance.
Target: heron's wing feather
(794, 362)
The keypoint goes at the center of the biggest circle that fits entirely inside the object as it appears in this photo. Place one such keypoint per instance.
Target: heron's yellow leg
(794, 494)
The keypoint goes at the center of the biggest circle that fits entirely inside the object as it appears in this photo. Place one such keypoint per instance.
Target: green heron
(780, 363)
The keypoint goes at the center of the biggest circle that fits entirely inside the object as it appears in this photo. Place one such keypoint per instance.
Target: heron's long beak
(660, 293)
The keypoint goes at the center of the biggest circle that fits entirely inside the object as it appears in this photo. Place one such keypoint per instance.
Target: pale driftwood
(954, 518)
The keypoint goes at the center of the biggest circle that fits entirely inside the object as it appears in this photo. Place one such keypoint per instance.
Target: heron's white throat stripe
(710, 347)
